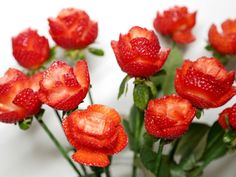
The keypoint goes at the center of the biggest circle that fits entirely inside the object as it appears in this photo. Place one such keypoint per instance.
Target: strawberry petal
(120, 143)
(28, 100)
(91, 158)
(63, 87)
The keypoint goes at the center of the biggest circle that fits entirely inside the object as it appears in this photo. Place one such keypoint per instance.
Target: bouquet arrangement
(168, 94)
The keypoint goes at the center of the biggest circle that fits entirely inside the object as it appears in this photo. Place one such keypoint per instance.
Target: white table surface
(31, 153)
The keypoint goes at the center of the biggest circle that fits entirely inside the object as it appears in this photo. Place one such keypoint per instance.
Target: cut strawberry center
(94, 123)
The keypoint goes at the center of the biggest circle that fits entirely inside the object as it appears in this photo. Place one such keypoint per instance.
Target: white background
(31, 153)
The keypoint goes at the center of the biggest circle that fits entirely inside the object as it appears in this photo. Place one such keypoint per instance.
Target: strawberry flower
(176, 22)
(168, 117)
(73, 29)
(29, 49)
(225, 42)
(96, 133)
(18, 96)
(63, 87)
(205, 82)
(139, 53)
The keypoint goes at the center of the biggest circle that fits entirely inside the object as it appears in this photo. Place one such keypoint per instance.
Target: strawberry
(205, 83)
(95, 132)
(17, 99)
(29, 49)
(230, 115)
(138, 53)
(168, 117)
(73, 29)
(176, 22)
(225, 42)
(63, 87)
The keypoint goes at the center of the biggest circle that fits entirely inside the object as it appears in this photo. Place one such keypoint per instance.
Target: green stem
(58, 116)
(107, 171)
(137, 135)
(58, 145)
(98, 174)
(159, 155)
(134, 168)
(84, 169)
(90, 97)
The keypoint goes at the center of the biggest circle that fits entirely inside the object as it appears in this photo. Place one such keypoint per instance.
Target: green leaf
(148, 158)
(130, 134)
(136, 124)
(175, 60)
(141, 96)
(149, 140)
(209, 47)
(135, 118)
(133, 127)
(188, 163)
(215, 146)
(123, 85)
(133, 115)
(191, 146)
(177, 171)
(147, 163)
(147, 173)
(158, 78)
(152, 87)
(96, 51)
(25, 124)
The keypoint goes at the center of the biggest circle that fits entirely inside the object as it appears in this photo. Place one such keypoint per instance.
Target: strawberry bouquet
(168, 94)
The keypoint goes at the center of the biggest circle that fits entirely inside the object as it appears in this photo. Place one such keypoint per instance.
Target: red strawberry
(29, 49)
(17, 99)
(168, 117)
(138, 52)
(176, 22)
(96, 133)
(73, 29)
(224, 42)
(205, 83)
(63, 87)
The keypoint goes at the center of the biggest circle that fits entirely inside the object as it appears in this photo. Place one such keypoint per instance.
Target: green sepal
(26, 123)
